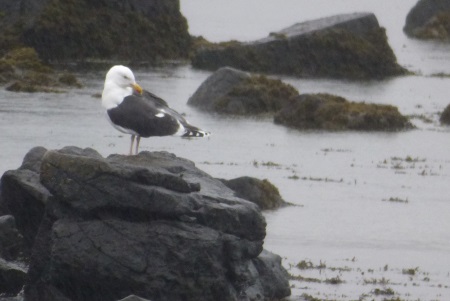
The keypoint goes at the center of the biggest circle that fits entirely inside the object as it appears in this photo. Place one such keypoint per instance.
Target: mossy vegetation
(330, 112)
(445, 116)
(256, 95)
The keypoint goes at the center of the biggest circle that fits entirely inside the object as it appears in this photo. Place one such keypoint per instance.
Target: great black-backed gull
(137, 112)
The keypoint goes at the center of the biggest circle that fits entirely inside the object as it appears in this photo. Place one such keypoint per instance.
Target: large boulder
(151, 225)
(429, 19)
(231, 91)
(330, 112)
(343, 46)
(62, 30)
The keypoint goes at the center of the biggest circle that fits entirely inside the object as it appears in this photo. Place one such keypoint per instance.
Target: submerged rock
(152, 225)
(429, 19)
(231, 91)
(342, 46)
(445, 116)
(329, 112)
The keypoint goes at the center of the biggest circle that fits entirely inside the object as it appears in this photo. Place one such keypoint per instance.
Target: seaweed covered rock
(329, 112)
(23, 71)
(261, 192)
(445, 116)
(231, 91)
(77, 30)
(151, 225)
(429, 19)
(343, 46)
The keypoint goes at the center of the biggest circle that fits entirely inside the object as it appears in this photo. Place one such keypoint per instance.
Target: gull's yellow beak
(137, 88)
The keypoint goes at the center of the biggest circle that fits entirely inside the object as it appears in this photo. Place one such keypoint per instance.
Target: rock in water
(331, 112)
(151, 225)
(342, 46)
(429, 19)
(231, 91)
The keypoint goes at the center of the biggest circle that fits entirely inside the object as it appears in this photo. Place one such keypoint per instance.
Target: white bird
(137, 112)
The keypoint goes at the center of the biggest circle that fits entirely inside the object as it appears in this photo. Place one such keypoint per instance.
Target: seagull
(140, 113)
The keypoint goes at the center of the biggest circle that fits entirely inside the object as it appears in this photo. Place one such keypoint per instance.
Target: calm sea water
(340, 182)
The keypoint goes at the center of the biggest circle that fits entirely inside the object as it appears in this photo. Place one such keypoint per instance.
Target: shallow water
(341, 182)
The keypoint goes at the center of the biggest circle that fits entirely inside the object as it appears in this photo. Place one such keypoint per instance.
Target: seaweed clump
(254, 95)
(330, 112)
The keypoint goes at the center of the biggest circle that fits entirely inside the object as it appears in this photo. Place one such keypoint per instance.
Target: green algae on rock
(344, 46)
(330, 112)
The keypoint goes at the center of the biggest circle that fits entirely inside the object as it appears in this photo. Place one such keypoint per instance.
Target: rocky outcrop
(152, 225)
(261, 192)
(329, 112)
(231, 91)
(429, 19)
(445, 116)
(79, 30)
(343, 46)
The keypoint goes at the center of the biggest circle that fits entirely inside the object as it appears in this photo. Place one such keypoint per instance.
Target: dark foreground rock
(329, 112)
(12, 278)
(231, 91)
(79, 30)
(151, 225)
(429, 19)
(343, 46)
(445, 116)
(261, 192)
(11, 241)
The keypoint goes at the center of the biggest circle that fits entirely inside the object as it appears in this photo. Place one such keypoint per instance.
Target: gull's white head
(119, 83)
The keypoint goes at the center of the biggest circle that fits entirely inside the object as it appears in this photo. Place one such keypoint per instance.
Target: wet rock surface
(341, 46)
(429, 19)
(330, 112)
(151, 225)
